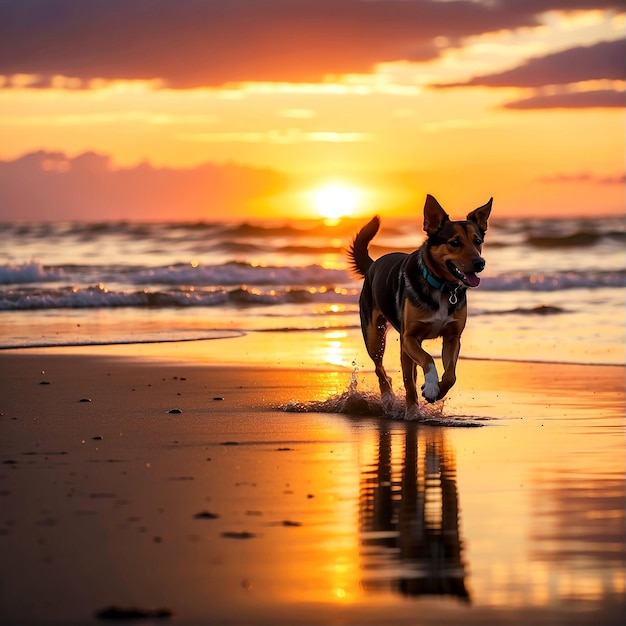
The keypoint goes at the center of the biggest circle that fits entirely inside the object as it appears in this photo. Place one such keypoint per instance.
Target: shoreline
(70, 347)
(213, 350)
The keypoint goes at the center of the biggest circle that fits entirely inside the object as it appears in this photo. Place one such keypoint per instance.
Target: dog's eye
(478, 241)
(455, 243)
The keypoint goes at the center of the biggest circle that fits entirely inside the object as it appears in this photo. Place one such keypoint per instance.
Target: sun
(334, 201)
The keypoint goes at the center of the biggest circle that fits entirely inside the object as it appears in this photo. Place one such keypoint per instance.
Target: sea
(552, 291)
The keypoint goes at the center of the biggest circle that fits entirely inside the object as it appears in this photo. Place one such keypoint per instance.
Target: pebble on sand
(205, 515)
(129, 612)
(238, 535)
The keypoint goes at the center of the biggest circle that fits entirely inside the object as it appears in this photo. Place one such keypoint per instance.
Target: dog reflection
(409, 516)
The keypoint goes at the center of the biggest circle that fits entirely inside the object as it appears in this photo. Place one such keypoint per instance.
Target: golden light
(334, 201)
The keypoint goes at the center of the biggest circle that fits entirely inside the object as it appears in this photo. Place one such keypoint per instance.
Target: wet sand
(154, 480)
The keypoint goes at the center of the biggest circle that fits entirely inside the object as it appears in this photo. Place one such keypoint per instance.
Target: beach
(207, 207)
(245, 480)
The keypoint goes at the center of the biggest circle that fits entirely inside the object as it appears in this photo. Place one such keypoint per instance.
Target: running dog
(422, 295)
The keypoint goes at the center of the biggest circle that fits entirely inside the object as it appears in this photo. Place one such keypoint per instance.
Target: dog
(423, 295)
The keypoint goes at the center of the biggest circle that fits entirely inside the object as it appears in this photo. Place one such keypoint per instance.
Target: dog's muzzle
(468, 278)
(478, 265)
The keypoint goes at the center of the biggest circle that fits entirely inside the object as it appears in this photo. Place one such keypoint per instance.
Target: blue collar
(436, 283)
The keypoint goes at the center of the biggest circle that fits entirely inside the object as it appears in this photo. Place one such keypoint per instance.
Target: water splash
(366, 403)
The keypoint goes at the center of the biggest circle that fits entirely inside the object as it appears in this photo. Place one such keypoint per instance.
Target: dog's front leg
(449, 356)
(412, 349)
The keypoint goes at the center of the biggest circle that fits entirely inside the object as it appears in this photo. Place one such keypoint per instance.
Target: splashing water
(368, 404)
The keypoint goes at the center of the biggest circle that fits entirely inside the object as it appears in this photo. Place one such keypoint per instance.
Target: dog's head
(455, 247)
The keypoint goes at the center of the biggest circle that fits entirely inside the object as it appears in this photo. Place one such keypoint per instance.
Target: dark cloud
(603, 60)
(601, 98)
(189, 43)
(52, 186)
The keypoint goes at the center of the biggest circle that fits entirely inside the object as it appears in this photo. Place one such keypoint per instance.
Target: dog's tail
(357, 252)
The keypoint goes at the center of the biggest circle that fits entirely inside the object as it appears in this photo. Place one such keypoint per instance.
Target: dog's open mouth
(470, 279)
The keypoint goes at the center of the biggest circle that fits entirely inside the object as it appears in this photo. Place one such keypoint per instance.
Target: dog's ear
(480, 216)
(434, 216)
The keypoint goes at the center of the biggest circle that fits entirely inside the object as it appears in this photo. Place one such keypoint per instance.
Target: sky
(248, 109)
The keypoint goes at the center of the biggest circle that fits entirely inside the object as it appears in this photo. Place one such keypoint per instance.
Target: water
(553, 290)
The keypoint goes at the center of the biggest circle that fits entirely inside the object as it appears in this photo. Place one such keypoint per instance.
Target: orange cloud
(89, 187)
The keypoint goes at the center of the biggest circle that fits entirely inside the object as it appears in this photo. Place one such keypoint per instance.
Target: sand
(177, 487)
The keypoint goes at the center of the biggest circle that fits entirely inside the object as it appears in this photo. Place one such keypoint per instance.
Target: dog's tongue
(472, 279)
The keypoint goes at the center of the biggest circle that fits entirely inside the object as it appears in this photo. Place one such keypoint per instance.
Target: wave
(32, 285)
(578, 239)
(302, 229)
(32, 272)
(98, 296)
(227, 274)
(177, 293)
(239, 273)
(541, 309)
(229, 231)
(554, 281)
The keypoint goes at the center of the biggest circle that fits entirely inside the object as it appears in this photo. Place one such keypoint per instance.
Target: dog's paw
(430, 391)
(430, 388)
(387, 399)
(412, 413)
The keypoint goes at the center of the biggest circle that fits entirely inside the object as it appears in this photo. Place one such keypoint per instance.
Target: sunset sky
(214, 109)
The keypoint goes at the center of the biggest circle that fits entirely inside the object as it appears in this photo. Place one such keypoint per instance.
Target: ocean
(552, 291)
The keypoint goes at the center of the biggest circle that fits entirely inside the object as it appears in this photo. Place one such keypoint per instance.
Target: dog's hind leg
(375, 334)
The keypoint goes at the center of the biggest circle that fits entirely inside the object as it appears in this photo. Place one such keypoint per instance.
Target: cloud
(601, 98)
(602, 61)
(52, 186)
(191, 43)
